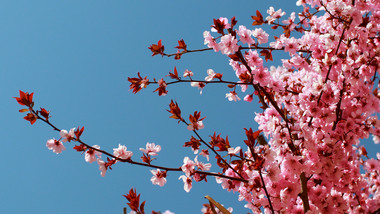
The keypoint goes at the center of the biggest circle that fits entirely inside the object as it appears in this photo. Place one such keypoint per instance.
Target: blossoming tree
(306, 156)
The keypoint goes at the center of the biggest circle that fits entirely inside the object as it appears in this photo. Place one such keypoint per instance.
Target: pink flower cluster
(322, 103)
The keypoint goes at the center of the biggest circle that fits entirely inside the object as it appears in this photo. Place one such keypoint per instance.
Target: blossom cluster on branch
(317, 105)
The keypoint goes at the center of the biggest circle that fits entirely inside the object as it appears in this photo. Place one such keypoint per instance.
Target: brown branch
(204, 81)
(254, 47)
(303, 195)
(138, 163)
(266, 192)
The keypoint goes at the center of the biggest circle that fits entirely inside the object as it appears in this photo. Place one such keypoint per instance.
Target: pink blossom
(205, 154)
(90, 154)
(245, 35)
(188, 73)
(195, 126)
(290, 21)
(167, 212)
(210, 74)
(121, 152)
(202, 166)
(273, 15)
(151, 149)
(188, 166)
(102, 167)
(200, 85)
(67, 136)
(55, 145)
(248, 97)
(159, 178)
(210, 42)
(234, 151)
(188, 183)
(291, 45)
(228, 44)
(232, 96)
(261, 35)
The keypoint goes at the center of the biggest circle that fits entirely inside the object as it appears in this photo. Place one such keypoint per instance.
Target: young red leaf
(267, 54)
(78, 132)
(219, 26)
(258, 19)
(175, 111)
(157, 49)
(181, 45)
(80, 148)
(31, 118)
(174, 75)
(44, 113)
(138, 83)
(25, 99)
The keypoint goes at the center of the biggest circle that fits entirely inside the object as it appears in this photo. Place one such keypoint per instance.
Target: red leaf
(80, 148)
(25, 99)
(44, 113)
(181, 45)
(174, 75)
(162, 88)
(157, 49)
(78, 132)
(233, 22)
(175, 111)
(258, 18)
(219, 26)
(31, 118)
(193, 143)
(267, 54)
(138, 83)
(109, 163)
(218, 76)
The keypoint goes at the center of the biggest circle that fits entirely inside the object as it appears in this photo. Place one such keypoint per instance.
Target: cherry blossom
(67, 136)
(195, 126)
(55, 145)
(151, 149)
(188, 183)
(91, 153)
(234, 151)
(245, 35)
(188, 166)
(159, 178)
(248, 98)
(187, 73)
(102, 167)
(202, 166)
(210, 74)
(261, 35)
(210, 42)
(232, 96)
(273, 15)
(228, 44)
(121, 152)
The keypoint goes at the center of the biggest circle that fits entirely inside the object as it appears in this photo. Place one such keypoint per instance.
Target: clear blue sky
(76, 57)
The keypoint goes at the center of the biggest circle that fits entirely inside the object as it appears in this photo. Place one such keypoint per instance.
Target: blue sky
(76, 57)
